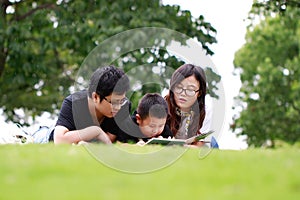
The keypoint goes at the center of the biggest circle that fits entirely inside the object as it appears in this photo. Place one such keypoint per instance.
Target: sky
(228, 18)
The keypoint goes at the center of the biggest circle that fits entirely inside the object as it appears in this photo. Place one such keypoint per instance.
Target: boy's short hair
(154, 105)
(108, 79)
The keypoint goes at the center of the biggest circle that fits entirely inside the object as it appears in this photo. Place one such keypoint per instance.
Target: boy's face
(151, 126)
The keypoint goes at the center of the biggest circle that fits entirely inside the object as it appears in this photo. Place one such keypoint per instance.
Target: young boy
(149, 120)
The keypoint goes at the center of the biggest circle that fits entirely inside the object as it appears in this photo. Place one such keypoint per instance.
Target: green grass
(71, 172)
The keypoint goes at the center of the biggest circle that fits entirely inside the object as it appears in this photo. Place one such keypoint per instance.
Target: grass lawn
(46, 171)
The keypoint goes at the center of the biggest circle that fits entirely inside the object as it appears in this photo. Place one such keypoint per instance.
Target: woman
(186, 101)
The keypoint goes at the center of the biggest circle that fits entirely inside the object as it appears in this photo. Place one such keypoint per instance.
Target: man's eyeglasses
(121, 102)
(188, 92)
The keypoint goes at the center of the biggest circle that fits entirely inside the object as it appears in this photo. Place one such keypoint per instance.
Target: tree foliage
(43, 43)
(269, 65)
(267, 7)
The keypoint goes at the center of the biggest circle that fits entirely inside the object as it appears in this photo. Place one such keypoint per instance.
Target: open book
(165, 141)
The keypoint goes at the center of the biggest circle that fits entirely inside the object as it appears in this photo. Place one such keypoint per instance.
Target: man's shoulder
(77, 96)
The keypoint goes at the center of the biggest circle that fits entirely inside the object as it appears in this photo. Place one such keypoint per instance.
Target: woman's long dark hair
(198, 107)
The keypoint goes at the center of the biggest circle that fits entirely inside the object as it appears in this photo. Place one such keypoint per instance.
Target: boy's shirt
(130, 132)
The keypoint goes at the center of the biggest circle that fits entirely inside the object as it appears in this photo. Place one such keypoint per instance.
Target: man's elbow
(59, 139)
(59, 136)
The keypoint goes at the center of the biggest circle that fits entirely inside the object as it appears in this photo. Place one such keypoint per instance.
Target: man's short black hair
(108, 79)
(154, 105)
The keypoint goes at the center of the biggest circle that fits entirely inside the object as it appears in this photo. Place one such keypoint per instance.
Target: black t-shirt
(74, 115)
(129, 131)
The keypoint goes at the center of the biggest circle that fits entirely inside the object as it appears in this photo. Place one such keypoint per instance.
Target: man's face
(110, 105)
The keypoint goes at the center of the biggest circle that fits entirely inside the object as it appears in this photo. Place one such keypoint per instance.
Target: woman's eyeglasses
(187, 91)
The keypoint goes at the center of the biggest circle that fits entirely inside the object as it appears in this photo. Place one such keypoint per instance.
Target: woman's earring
(200, 93)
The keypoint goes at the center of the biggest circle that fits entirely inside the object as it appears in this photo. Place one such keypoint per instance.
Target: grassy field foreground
(71, 172)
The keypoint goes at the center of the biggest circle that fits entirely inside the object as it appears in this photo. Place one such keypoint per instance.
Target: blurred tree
(269, 65)
(269, 7)
(43, 44)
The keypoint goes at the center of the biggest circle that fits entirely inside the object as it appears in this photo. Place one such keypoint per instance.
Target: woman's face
(186, 93)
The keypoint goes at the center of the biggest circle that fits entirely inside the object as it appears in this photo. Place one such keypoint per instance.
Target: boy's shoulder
(167, 132)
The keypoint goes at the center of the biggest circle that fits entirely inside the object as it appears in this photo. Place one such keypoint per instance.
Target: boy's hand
(141, 142)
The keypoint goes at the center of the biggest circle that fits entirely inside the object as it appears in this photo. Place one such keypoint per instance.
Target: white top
(208, 116)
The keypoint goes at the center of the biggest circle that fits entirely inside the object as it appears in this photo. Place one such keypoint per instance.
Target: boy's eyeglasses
(121, 102)
(188, 92)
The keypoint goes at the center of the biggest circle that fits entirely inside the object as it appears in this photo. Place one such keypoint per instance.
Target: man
(89, 115)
